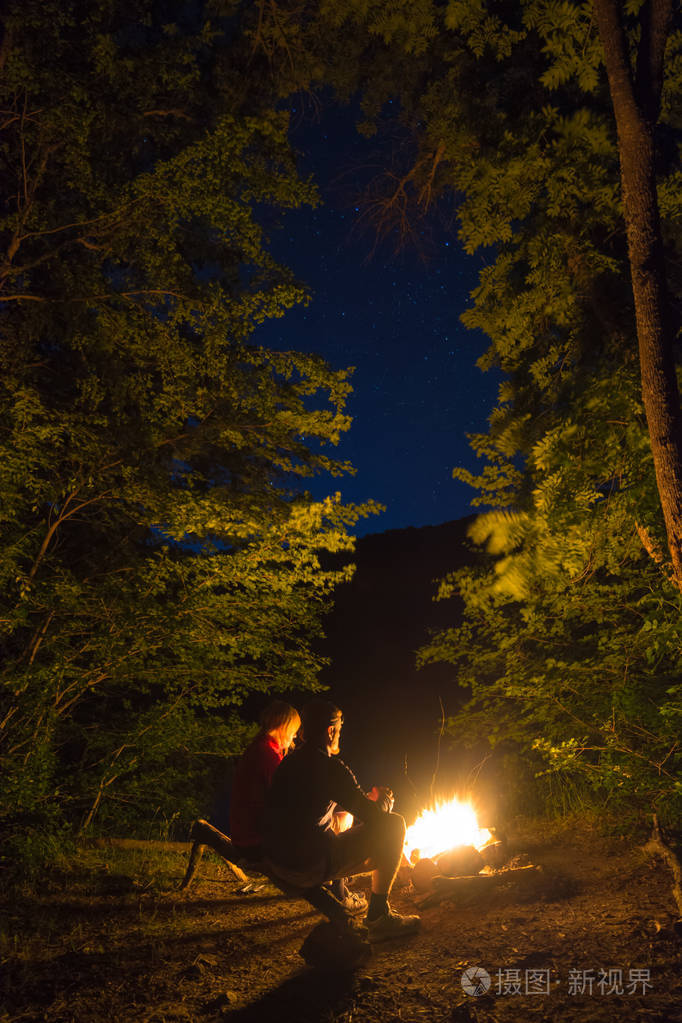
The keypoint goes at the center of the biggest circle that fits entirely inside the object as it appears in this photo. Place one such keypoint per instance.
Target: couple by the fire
(303, 814)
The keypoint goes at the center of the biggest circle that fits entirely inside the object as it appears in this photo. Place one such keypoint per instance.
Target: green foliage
(160, 558)
(570, 643)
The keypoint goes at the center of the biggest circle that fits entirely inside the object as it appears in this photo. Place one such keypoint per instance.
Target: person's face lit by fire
(334, 733)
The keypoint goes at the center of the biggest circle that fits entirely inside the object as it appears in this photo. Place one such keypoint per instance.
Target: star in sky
(417, 390)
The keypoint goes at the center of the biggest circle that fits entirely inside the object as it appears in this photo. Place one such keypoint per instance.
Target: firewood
(468, 888)
(495, 853)
(423, 872)
(462, 861)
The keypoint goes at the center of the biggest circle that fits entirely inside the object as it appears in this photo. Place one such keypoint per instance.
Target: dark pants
(361, 849)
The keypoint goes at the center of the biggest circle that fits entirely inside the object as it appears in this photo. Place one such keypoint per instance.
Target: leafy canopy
(160, 557)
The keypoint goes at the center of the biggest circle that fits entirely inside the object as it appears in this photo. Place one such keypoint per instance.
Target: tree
(636, 97)
(160, 555)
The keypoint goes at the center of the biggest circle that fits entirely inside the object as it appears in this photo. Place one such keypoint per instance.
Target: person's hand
(341, 821)
(380, 793)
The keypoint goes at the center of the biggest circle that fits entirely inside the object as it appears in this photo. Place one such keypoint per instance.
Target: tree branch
(655, 20)
(618, 66)
(58, 521)
(175, 112)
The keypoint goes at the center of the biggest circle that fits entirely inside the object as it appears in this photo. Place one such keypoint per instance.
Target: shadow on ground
(308, 997)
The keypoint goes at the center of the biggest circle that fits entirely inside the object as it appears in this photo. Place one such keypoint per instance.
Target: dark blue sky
(416, 389)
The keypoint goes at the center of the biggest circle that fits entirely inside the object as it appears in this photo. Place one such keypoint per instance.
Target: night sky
(416, 389)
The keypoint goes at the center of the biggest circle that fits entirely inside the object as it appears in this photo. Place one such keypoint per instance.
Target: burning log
(448, 840)
(423, 873)
(445, 826)
(460, 862)
(494, 854)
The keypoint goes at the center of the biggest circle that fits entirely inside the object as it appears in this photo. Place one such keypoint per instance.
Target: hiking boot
(354, 903)
(391, 925)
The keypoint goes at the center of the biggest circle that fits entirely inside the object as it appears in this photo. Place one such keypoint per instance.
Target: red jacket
(252, 779)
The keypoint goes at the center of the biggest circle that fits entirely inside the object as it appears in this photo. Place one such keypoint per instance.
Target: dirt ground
(111, 938)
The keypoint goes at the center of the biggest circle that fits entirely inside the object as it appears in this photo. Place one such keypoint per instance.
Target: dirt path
(105, 944)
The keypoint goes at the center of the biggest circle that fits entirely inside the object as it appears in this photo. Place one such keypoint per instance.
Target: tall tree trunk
(636, 94)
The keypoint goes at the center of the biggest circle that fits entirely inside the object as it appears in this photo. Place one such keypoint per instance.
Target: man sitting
(302, 843)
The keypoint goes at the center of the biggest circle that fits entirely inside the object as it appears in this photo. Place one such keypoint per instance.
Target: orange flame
(446, 826)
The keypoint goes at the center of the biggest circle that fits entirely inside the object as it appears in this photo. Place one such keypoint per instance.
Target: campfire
(447, 854)
(449, 825)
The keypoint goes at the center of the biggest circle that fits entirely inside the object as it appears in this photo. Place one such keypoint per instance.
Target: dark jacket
(308, 786)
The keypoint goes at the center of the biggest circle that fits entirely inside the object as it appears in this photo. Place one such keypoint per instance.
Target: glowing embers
(447, 826)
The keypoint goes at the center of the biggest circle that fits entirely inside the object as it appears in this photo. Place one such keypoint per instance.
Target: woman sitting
(253, 775)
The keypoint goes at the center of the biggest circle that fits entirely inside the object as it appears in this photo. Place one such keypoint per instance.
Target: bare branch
(39, 637)
(63, 516)
(175, 112)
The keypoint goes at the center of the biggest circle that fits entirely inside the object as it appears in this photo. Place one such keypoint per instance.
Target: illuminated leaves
(160, 560)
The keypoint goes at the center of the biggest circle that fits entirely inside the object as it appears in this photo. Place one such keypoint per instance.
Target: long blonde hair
(279, 714)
